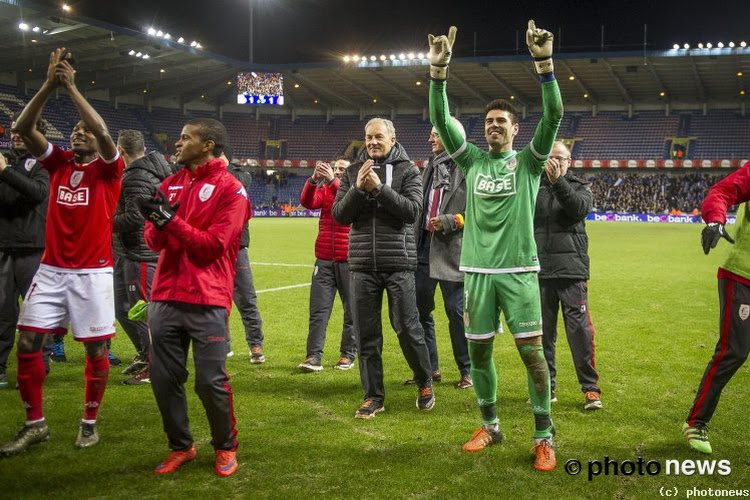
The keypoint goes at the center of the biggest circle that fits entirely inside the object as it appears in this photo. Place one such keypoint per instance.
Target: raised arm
(25, 125)
(93, 121)
(440, 55)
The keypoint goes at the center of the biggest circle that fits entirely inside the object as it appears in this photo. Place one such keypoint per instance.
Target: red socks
(96, 373)
(30, 376)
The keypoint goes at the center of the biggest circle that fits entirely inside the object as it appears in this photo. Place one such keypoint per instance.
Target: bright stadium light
(36, 29)
(731, 45)
(131, 53)
(198, 46)
(193, 43)
(355, 58)
(373, 58)
(700, 45)
(392, 57)
(138, 54)
(675, 46)
(160, 33)
(180, 40)
(411, 55)
(720, 45)
(146, 56)
(740, 73)
(382, 57)
(167, 36)
(572, 77)
(151, 31)
(743, 44)
(66, 7)
(347, 59)
(420, 55)
(402, 56)
(686, 46)
(662, 94)
(23, 26)
(709, 45)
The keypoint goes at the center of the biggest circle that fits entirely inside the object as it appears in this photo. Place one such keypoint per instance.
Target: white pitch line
(253, 263)
(282, 288)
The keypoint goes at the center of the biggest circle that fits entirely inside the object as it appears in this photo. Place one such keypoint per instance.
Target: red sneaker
(226, 462)
(175, 460)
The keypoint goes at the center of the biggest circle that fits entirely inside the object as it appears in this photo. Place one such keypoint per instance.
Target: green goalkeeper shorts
(514, 295)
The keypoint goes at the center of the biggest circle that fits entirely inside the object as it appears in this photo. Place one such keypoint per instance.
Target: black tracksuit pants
(328, 278)
(402, 309)
(173, 326)
(572, 296)
(247, 301)
(731, 349)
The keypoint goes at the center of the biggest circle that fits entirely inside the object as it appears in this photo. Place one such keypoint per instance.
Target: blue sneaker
(58, 352)
(113, 360)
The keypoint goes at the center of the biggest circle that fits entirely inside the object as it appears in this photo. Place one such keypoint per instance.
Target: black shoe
(142, 378)
(137, 366)
(369, 408)
(29, 435)
(113, 360)
(426, 398)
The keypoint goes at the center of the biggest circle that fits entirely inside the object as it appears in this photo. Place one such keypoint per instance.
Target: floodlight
(151, 31)
(180, 40)
(23, 26)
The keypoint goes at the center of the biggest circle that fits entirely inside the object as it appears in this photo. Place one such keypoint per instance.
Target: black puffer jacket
(24, 191)
(140, 180)
(382, 234)
(245, 179)
(560, 227)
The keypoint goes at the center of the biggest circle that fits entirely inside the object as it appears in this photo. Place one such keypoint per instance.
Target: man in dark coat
(381, 197)
(135, 263)
(563, 202)
(24, 190)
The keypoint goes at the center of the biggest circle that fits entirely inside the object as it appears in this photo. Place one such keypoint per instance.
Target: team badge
(206, 191)
(744, 311)
(29, 164)
(511, 165)
(76, 178)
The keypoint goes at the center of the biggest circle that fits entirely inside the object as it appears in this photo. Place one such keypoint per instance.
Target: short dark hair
(131, 141)
(503, 105)
(41, 124)
(212, 130)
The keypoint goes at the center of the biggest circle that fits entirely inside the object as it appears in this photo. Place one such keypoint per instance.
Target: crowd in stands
(657, 193)
(260, 83)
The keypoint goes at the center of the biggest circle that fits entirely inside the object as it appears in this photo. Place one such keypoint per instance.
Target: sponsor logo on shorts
(72, 197)
(527, 323)
(206, 191)
(97, 329)
(504, 185)
(744, 311)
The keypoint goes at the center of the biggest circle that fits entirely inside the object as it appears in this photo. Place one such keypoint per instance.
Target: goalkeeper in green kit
(499, 253)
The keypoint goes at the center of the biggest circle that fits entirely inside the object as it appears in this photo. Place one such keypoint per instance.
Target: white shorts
(81, 298)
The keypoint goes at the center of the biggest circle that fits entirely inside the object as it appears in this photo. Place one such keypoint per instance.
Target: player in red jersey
(73, 285)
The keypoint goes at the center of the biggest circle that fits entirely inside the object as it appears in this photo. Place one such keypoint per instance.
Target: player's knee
(95, 348)
(29, 342)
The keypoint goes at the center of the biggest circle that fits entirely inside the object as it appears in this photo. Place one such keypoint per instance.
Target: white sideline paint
(282, 288)
(253, 263)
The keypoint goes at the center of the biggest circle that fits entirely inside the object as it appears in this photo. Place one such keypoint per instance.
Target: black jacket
(382, 234)
(245, 179)
(24, 191)
(560, 228)
(139, 180)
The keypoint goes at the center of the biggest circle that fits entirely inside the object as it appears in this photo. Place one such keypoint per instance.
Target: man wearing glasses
(562, 204)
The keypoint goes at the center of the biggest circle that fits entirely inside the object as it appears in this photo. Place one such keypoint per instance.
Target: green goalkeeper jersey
(501, 188)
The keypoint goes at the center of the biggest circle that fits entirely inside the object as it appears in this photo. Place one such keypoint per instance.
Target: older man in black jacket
(135, 263)
(24, 190)
(381, 197)
(563, 202)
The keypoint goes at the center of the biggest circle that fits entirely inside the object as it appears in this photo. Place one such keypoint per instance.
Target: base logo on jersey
(72, 197)
(504, 185)
(206, 191)
(744, 311)
(76, 178)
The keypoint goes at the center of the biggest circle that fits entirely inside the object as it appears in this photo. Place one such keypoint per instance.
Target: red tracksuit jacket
(198, 248)
(333, 238)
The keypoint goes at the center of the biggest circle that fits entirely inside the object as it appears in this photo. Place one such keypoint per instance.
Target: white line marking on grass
(282, 288)
(253, 263)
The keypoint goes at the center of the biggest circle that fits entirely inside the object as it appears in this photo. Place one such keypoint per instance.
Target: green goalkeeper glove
(440, 53)
(139, 312)
(540, 47)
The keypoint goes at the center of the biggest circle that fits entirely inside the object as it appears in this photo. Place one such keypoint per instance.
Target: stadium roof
(682, 77)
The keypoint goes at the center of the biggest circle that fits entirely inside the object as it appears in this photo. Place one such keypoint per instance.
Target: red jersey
(83, 198)
(333, 238)
(198, 248)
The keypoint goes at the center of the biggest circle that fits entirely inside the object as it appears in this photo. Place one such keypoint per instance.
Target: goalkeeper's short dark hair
(503, 105)
(212, 130)
(41, 125)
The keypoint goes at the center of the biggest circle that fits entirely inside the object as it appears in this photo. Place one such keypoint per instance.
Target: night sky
(289, 31)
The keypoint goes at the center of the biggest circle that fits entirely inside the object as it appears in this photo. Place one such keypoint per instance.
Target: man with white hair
(439, 238)
(381, 197)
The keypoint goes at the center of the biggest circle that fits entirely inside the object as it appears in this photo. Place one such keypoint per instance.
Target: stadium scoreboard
(259, 88)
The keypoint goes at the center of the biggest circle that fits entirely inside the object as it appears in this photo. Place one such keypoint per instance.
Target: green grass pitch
(654, 305)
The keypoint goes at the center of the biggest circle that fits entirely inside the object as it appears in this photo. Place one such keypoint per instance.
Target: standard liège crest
(512, 163)
(30, 162)
(206, 191)
(76, 178)
(744, 311)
